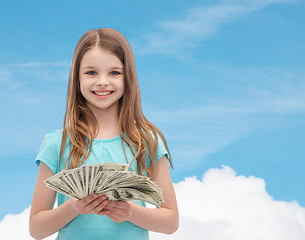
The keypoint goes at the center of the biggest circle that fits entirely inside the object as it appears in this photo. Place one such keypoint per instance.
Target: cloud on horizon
(221, 205)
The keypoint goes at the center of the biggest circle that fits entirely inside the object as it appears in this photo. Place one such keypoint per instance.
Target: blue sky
(224, 80)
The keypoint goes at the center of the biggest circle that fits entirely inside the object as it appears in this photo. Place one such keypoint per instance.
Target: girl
(104, 122)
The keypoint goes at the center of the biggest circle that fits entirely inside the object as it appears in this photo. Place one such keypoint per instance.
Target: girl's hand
(119, 211)
(91, 204)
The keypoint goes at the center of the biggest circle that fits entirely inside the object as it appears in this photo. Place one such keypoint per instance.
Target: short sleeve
(161, 149)
(49, 151)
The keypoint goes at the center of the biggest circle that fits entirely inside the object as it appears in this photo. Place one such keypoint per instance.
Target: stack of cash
(110, 179)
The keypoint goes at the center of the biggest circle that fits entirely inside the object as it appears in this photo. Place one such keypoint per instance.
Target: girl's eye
(114, 73)
(91, 73)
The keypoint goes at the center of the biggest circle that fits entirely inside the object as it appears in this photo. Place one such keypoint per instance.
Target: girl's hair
(136, 131)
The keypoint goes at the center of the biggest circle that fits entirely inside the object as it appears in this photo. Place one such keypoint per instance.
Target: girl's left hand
(119, 211)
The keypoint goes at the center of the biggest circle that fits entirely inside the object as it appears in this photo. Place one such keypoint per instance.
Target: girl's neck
(108, 123)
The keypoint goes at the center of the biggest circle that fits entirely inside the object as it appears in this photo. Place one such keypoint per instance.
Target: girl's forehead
(100, 57)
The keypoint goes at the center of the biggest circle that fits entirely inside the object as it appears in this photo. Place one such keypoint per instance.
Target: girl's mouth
(104, 93)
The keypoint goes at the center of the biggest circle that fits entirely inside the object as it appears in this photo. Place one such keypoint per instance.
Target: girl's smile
(102, 94)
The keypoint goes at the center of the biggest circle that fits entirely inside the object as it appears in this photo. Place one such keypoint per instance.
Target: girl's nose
(102, 81)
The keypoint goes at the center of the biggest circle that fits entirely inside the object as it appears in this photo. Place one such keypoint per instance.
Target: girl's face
(101, 79)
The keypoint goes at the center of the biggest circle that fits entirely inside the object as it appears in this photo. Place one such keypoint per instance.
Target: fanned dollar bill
(110, 179)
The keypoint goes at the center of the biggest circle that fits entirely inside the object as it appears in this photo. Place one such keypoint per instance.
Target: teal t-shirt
(94, 226)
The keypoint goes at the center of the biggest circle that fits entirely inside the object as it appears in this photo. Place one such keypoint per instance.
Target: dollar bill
(111, 179)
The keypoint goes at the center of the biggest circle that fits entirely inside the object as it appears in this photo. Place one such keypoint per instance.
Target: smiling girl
(104, 122)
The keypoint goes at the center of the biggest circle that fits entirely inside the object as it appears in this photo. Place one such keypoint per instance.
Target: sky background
(224, 81)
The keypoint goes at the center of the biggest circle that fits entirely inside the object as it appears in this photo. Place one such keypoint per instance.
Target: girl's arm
(164, 219)
(44, 220)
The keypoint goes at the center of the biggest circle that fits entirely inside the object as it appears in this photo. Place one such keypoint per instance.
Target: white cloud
(219, 206)
(172, 37)
(225, 206)
(16, 226)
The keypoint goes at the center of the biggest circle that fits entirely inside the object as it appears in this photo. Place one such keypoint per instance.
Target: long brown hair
(136, 131)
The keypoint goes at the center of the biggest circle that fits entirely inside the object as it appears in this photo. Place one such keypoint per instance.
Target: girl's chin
(102, 107)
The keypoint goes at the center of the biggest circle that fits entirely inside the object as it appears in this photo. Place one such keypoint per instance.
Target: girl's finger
(116, 204)
(114, 216)
(99, 207)
(109, 208)
(118, 212)
(111, 204)
(118, 216)
(87, 200)
(92, 205)
(104, 212)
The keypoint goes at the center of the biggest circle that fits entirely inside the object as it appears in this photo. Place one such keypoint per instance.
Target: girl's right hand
(91, 204)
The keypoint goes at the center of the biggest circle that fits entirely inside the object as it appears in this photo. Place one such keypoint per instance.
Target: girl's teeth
(102, 93)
